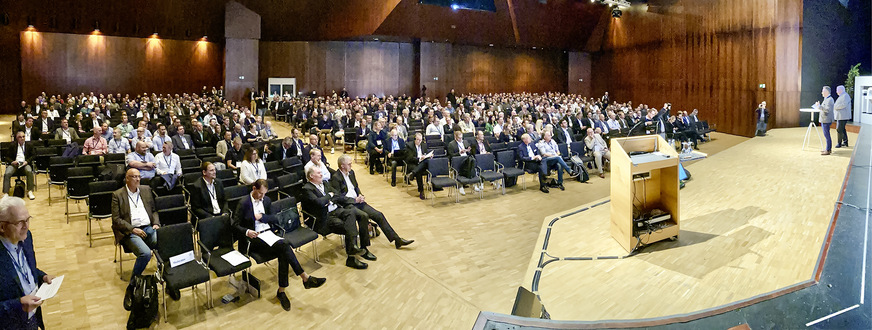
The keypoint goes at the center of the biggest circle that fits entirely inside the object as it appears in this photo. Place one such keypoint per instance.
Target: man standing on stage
(826, 117)
(762, 119)
(842, 113)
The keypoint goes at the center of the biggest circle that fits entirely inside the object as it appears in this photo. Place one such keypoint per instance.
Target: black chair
(227, 177)
(190, 165)
(487, 170)
(57, 172)
(188, 181)
(565, 153)
(100, 205)
(350, 140)
(577, 148)
(212, 159)
(273, 191)
(506, 165)
(205, 152)
(293, 165)
(80, 141)
(473, 179)
(273, 169)
(41, 158)
(284, 182)
(171, 209)
(216, 240)
(175, 240)
(499, 146)
(438, 176)
(88, 160)
(186, 154)
(77, 180)
(234, 194)
(118, 158)
(290, 226)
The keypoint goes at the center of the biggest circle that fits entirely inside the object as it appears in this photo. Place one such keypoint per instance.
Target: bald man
(135, 222)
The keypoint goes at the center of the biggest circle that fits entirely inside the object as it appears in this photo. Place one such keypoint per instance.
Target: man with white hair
(19, 308)
(842, 112)
(267, 133)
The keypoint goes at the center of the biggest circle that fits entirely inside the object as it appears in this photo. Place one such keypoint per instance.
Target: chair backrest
(191, 178)
(438, 166)
(205, 152)
(100, 198)
(514, 145)
(273, 166)
(285, 210)
(55, 142)
(564, 150)
(283, 181)
(291, 162)
(175, 239)
(500, 146)
(227, 177)
(190, 163)
(171, 209)
(169, 201)
(87, 160)
(215, 232)
(485, 162)
(114, 158)
(577, 147)
(506, 158)
(185, 153)
(457, 162)
(75, 172)
(77, 180)
(234, 194)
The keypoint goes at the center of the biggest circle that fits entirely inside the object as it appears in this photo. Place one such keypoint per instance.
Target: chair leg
(503, 184)
(67, 203)
(315, 251)
(164, 294)
(49, 194)
(90, 237)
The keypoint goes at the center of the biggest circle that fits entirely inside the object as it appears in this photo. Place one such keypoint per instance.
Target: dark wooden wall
(362, 67)
(473, 69)
(707, 54)
(75, 63)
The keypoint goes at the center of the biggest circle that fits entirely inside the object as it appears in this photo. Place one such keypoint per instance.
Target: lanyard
(20, 263)
(169, 161)
(142, 157)
(256, 169)
(211, 189)
(135, 202)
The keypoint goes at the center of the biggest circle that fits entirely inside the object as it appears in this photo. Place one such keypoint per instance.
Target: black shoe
(128, 298)
(544, 189)
(399, 242)
(839, 145)
(314, 282)
(421, 196)
(353, 251)
(393, 183)
(371, 172)
(356, 264)
(174, 294)
(560, 185)
(283, 299)
(845, 145)
(368, 256)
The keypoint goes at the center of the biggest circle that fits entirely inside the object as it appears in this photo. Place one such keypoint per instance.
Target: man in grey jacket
(842, 113)
(826, 118)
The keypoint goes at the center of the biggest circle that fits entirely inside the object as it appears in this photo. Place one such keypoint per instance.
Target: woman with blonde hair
(252, 167)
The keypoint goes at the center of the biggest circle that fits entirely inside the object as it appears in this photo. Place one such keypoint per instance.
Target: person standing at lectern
(762, 119)
(842, 113)
(826, 118)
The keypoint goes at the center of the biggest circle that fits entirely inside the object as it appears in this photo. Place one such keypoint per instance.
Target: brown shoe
(602, 175)
(824, 153)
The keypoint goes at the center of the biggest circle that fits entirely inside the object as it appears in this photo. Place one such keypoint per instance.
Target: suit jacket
(827, 110)
(306, 158)
(400, 143)
(243, 216)
(374, 138)
(316, 204)
(177, 142)
(201, 200)
(523, 155)
(205, 141)
(454, 150)
(276, 154)
(339, 184)
(298, 145)
(10, 288)
(29, 152)
(73, 134)
(38, 125)
(475, 151)
(561, 138)
(222, 147)
(88, 124)
(412, 153)
(842, 107)
(121, 222)
(765, 115)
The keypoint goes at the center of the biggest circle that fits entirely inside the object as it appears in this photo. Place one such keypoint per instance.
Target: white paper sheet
(269, 237)
(234, 258)
(47, 291)
(181, 259)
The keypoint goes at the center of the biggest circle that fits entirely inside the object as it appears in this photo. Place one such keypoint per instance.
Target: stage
(754, 218)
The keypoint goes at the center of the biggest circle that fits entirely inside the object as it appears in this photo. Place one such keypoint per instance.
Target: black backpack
(144, 307)
(19, 189)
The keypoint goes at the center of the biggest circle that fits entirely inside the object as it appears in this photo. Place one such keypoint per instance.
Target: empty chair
(174, 240)
(88, 160)
(273, 190)
(114, 158)
(290, 227)
(438, 176)
(190, 165)
(234, 194)
(76, 183)
(171, 209)
(205, 152)
(577, 148)
(41, 158)
(100, 205)
(216, 240)
(284, 182)
(488, 170)
(57, 172)
(349, 139)
(564, 152)
(212, 159)
(273, 169)
(506, 165)
(293, 165)
(185, 154)
(499, 146)
(471, 178)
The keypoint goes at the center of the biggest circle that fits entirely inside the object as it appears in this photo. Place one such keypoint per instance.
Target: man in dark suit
(207, 196)
(458, 147)
(563, 134)
(418, 156)
(334, 213)
(480, 145)
(345, 182)
(297, 144)
(21, 156)
(18, 308)
(93, 121)
(252, 217)
(529, 154)
(135, 224)
(394, 148)
(31, 133)
(313, 144)
(375, 148)
(44, 124)
(282, 151)
(182, 141)
(202, 138)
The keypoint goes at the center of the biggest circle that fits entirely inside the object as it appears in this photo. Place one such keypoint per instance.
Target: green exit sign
(762, 86)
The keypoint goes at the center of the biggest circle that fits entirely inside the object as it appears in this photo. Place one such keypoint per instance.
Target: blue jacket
(11, 314)
(243, 216)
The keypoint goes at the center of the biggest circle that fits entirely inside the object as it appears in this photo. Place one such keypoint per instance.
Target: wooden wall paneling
(406, 80)
(788, 76)
(334, 67)
(316, 54)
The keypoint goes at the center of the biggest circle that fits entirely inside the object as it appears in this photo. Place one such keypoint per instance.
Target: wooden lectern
(644, 171)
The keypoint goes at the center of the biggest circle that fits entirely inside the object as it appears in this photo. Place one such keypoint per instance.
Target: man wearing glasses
(19, 308)
(135, 223)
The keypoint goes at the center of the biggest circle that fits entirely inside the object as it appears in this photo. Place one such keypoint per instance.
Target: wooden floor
(468, 257)
(753, 221)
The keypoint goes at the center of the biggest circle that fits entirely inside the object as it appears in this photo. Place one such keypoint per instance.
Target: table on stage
(811, 127)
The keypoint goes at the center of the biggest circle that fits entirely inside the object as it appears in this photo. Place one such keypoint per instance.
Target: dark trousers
(375, 161)
(351, 222)
(826, 128)
(843, 134)
(418, 172)
(393, 163)
(379, 219)
(286, 257)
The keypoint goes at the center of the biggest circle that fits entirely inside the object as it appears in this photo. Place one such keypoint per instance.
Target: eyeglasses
(19, 222)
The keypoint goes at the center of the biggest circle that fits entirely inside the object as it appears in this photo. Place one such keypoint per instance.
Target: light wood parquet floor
(468, 257)
(753, 221)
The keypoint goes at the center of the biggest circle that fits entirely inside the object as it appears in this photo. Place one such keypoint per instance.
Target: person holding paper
(19, 307)
(135, 224)
(826, 117)
(418, 157)
(253, 217)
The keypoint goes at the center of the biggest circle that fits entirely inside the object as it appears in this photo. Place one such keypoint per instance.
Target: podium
(644, 177)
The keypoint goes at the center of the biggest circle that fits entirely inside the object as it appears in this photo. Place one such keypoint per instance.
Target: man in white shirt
(594, 142)
(160, 137)
(135, 222)
(551, 157)
(22, 157)
(65, 132)
(169, 167)
(118, 145)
